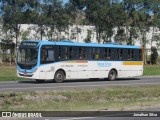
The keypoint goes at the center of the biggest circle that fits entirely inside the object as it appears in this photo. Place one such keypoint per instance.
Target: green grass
(8, 73)
(113, 98)
(152, 70)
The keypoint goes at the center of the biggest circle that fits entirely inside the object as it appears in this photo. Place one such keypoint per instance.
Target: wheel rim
(59, 76)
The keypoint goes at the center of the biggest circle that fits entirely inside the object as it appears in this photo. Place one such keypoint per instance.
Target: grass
(8, 73)
(152, 70)
(113, 98)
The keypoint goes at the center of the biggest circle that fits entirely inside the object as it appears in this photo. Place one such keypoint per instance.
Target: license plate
(25, 74)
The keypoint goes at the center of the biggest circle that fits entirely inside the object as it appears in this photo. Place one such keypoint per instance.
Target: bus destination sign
(29, 44)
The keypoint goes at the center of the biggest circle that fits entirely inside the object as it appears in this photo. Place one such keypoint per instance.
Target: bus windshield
(27, 57)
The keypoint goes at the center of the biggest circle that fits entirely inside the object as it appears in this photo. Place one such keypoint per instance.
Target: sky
(65, 1)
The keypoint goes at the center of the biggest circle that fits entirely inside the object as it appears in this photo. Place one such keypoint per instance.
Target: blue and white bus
(45, 60)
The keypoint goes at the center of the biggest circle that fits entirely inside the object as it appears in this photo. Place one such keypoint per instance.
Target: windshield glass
(27, 56)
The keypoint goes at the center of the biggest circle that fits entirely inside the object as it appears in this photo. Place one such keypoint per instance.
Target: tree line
(132, 18)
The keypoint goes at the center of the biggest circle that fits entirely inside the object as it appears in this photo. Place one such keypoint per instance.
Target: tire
(59, 76)
(112, 75)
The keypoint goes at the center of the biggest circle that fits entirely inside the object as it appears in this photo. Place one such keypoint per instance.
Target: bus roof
(70, 43)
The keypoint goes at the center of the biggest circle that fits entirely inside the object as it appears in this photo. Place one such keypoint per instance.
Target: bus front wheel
(59, 76)
(112, 75)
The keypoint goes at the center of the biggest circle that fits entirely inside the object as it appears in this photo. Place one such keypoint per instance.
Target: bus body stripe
(77, 61)
(132, 63)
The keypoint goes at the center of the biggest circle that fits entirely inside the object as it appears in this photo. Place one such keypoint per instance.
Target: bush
(154, 55)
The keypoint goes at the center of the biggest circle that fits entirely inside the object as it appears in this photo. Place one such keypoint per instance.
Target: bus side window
(119, 54)
(99, 53)
(59, 53)
(96, 53)
(61, 56)
(56, 48)
(105, 53)
(76, 52)
(73, 53)
(66, 53)
(129, 54)
(63, 53)
(124, 54)
(108, 53)
(114, 54)
(81, 53)
(137, 54)
(47, 54)
(43, 55)
(140, 54)
(88, 53)
(102, 53)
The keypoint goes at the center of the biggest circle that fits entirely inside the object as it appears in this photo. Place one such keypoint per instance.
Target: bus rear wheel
(59, 76)
(112, 75)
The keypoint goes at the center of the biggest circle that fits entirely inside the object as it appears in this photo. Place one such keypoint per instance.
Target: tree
(154, 55)
(88, 38)
(156, 38)
(5, 46)
(120, 36)
(54, 15)
(155, 21)
(11, 14)
(25, 35)
(16, 12)
(131, 8)
(139, 20)
(104, 14)
(97, 13)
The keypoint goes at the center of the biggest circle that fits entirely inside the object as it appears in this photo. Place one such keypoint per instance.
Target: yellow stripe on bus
(77, 61)
(132, 63)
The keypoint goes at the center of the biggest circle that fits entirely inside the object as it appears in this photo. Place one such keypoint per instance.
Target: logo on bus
(103, 64)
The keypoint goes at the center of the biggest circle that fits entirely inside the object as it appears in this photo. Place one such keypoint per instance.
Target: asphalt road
(31, 85)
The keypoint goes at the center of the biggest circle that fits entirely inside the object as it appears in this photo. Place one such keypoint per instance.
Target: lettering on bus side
(67, 65)
(81, 65)
(104, 64)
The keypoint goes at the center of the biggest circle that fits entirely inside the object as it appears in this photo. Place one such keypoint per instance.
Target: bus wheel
(59, 76)
(112, 75)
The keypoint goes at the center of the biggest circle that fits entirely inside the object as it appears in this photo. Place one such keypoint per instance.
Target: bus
(46, 60)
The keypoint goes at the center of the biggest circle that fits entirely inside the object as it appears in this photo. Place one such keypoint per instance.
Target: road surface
(31, 85)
